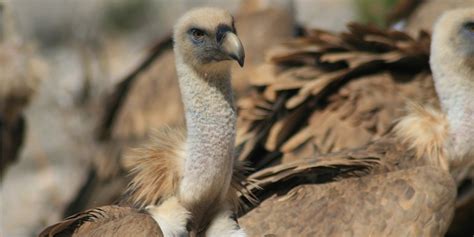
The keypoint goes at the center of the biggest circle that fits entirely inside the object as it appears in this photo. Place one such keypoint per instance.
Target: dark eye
(469, 27)
(197, 34)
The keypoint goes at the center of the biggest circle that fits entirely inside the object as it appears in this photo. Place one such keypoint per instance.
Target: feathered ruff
(157, 168)
(425, 131)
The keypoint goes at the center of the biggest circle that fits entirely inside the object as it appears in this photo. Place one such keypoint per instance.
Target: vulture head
(454, 32)
(467, 36)
(205, 39)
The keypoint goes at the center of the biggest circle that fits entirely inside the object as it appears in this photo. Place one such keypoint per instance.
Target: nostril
(222, 29)
(220, 36)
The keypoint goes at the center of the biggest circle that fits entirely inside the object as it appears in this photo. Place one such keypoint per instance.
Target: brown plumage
(380, 156)
(411, 202)
(389, 194)
(325, 92)
(410, 191)
(127, 221)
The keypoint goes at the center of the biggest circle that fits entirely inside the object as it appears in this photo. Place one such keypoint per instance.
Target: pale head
(453, 36)
(206, 38)
(452, 57)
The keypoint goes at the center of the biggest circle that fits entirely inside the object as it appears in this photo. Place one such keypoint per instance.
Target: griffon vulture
(135, 108)
(410, 190)
(182, 183)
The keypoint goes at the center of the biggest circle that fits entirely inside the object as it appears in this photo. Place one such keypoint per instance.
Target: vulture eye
(469, 27)
(197, 34)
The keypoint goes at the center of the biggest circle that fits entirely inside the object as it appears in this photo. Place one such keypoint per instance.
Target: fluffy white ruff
(224, 225)
(426, 131)
(171, 216)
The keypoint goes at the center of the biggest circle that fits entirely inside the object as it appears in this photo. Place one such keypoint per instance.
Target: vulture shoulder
(106, 221)
(411, 202)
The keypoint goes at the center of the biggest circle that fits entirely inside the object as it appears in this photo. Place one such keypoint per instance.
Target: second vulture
(410, 190)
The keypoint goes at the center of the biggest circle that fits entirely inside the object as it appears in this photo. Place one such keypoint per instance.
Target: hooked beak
(232, 46)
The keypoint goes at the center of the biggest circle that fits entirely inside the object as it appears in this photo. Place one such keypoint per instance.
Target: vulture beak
(232, 46)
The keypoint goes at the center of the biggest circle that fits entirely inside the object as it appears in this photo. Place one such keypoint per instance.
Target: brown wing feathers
(325, 92)
(70, 224)
(105, 221)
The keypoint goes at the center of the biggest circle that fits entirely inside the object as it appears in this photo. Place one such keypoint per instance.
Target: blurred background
(79, 52)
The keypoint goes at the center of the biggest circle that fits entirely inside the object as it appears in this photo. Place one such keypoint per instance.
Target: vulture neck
(454, 83)
(211, 128)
